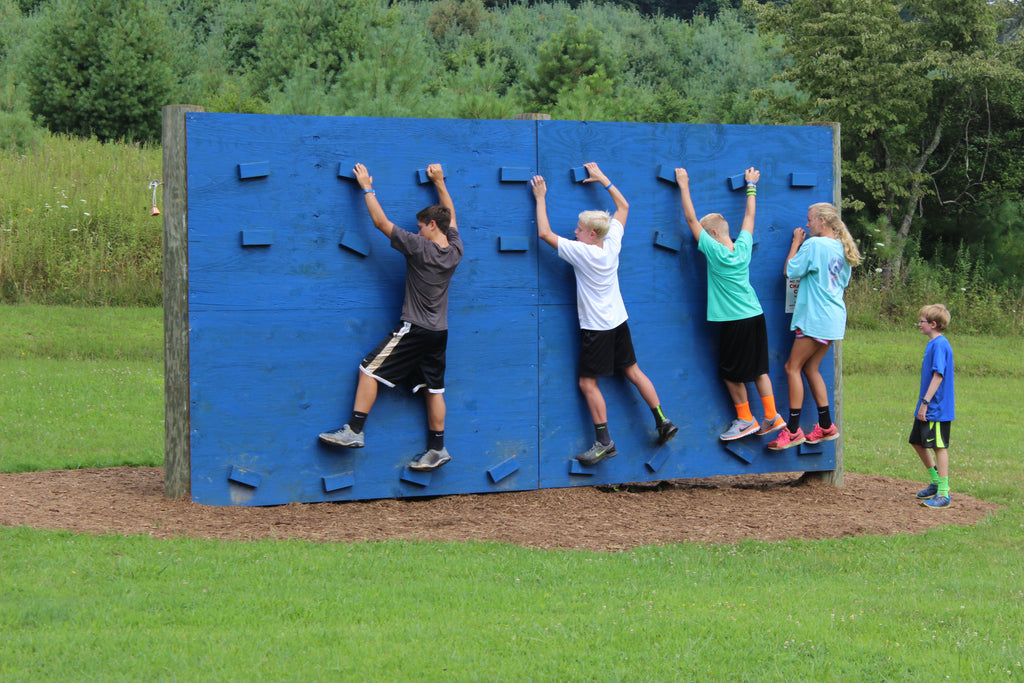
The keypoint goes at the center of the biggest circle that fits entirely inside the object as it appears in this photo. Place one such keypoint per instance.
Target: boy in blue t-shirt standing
(734, 308)
(935, 407)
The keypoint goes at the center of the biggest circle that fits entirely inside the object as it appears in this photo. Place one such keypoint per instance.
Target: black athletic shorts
(928, 434)
(743, 349)
(606, 351)
(409, 353)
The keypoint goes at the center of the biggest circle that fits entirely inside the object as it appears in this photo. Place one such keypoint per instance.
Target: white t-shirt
(598, 300)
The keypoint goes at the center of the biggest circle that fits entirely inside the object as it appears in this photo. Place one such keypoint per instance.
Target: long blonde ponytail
(828, 213)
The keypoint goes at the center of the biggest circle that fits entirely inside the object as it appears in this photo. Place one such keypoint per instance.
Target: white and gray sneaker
(344, 437)
(739, 429)
(430, 460)
(597, 453)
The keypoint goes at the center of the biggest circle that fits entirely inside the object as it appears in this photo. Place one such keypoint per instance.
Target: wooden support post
(177, 455)
(835, 477)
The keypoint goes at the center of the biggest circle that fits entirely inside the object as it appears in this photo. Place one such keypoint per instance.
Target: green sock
(934, 474)
(943, 486)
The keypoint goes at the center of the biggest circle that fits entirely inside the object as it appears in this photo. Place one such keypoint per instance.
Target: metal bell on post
(153, 185)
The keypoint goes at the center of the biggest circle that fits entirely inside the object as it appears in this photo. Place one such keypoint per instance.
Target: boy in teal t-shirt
(734, 308)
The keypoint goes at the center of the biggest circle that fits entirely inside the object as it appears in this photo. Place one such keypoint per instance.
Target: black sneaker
(666, 430)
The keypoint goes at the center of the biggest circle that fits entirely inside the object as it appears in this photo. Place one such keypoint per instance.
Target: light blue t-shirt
(730, 295)
(938, 357)
(824, 273)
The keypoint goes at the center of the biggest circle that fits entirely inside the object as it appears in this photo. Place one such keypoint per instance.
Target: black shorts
(409, 353)
(929, 434)
(606, 351)
(743, 349)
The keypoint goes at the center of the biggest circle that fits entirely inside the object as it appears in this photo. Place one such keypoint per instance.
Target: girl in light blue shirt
(822, 262)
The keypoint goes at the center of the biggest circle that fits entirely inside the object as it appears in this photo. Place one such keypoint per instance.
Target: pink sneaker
(818, 434)
(787, 439)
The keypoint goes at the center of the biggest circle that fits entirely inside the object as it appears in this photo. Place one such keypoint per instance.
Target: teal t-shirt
(730, 295)
(820, 311)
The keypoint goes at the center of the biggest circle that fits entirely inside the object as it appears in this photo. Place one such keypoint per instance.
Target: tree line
(928, 92)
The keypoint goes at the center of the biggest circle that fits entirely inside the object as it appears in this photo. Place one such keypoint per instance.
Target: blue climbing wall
(290, 285)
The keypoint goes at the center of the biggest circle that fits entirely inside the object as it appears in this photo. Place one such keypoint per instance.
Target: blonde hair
(598, 221)
(716, 222)
(936, 313)
(830, 215)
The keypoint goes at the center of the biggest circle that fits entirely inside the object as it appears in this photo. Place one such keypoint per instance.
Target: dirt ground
(772, 507)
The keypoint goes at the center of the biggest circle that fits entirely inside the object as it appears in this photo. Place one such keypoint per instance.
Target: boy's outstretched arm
(751, 175)
(380, 220)
(540, 189)
(436, 175)
(596, 176)
(683, 178)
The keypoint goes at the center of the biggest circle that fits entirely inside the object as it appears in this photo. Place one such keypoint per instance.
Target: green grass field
(945, 604)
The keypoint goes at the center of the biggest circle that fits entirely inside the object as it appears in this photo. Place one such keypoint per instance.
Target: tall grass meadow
(75, 223)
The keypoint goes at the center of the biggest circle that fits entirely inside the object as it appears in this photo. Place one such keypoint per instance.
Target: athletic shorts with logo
(410, 353)
(930, 434)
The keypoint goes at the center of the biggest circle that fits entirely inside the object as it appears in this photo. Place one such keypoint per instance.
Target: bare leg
(764, 386)
(926, 457)
(436, 411)
(814, 379)
(366, 393)
(942, 461)
(647, 392)
(595, 400)
(803, 349)
(737, 392)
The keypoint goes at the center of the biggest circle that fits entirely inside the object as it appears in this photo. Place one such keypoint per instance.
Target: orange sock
(743, 412)
(770, 410)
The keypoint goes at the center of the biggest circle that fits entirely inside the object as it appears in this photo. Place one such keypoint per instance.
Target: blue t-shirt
(938, 357)
(824, 273)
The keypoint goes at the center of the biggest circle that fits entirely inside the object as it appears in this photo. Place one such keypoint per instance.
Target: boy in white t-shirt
(606, 343)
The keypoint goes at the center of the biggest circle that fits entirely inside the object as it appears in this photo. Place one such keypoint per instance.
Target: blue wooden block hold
(345, 171)
(803, 179)
(576, 467)
(257, 237)
(421, 175)
(503, 469)
(240, 475)
(671, 241)
(810, 449)
(258, 169)
(416, 477)
(737, 181)
(515, 175)
(667, 172)
(354, 242)
(579, 174)
(659, 459)
(741, 450)
(336, 482)
(513, 243)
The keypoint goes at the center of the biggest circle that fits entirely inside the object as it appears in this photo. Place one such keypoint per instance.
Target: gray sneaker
(739, 429)
(430, 460)
(344, 437)
(597, 453)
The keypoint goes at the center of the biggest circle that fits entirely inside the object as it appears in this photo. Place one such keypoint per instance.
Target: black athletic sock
(357, 422)
(603, 437)
(824, 417)
(435, 440)
(659, 416)
(793, 423)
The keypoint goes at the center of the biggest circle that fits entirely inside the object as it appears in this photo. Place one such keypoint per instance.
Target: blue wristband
(607, 186)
